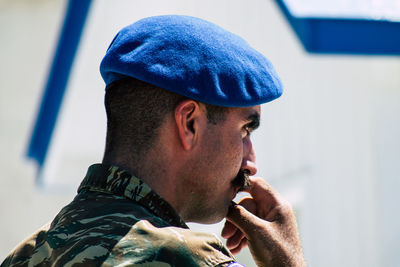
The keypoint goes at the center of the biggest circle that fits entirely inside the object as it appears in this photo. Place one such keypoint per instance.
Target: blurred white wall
(28, 31)
(329, 144)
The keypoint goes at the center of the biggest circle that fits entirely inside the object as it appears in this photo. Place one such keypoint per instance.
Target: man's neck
(158, 173)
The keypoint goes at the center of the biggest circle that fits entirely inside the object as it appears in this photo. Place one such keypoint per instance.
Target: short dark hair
(136, 109)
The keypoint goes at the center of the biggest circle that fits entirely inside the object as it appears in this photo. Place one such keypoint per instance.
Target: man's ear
(188, 117)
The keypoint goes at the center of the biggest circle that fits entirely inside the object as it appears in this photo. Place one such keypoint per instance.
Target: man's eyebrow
(254, 121)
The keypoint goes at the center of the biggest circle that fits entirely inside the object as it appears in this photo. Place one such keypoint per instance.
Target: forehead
(245, 113)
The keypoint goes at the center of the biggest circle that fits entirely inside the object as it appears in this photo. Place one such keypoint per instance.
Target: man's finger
(243, 219)
(241, 246)
(261, 190)
(228, 230)
(234, 240)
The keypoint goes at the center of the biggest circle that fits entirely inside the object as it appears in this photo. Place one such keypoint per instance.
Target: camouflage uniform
(117, 220)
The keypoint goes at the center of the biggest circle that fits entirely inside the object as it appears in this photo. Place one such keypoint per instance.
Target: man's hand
(266, 223)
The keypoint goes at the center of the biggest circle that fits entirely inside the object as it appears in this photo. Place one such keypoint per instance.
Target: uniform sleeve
(27, 250)
(146, 245)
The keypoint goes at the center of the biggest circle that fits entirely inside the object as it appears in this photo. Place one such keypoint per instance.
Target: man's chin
(215, 219)
(211, 219)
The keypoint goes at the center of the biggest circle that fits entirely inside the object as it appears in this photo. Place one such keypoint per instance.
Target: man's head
(182, 96)
(211, 145)
(135, 112)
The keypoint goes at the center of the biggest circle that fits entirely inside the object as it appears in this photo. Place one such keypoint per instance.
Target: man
(182, 98)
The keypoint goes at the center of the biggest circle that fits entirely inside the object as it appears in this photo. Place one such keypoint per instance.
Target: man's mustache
(242, 180)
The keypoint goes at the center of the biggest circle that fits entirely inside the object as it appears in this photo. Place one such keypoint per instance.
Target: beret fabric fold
(194, 58)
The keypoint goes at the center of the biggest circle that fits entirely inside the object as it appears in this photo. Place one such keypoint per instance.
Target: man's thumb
(243, 219)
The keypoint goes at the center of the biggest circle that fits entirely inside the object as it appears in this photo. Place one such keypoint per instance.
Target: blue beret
(194, 58)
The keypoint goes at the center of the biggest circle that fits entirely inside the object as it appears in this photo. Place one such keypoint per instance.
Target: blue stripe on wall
(74, 21)
(345, 36)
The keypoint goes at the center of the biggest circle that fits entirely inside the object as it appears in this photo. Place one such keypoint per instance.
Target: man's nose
(249, 160)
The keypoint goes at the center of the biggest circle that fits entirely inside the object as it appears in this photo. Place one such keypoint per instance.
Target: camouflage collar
(116, 181)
